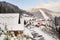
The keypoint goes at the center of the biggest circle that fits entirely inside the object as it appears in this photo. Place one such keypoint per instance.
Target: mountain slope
(44, 10)
(55, 16)
(37, 12)
(6, 7)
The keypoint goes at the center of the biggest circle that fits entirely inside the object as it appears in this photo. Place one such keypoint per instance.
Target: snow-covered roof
(9, 18)
(11, 21)
(16, 27)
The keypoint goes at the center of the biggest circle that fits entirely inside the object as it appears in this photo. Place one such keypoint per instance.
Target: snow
(40, 32)
(8, 19)
(28, 32)
(27, 18)
(13, 25)
(17, 26)
(46, 36)
(2, 37)
(44, 15)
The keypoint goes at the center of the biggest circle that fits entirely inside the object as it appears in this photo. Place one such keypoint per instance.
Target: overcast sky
(27, 4)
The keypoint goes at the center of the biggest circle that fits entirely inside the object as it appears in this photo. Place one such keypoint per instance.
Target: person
(59, 30)
(24, 22)
(0, 31)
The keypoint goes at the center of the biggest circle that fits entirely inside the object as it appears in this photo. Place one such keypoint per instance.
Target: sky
(27, 4)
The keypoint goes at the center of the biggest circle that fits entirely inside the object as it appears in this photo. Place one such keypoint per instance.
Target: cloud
(53, 6)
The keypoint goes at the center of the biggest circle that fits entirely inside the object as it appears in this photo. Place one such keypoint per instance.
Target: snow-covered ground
(37, 30)
(40, 32)
(28, 31)
(46, 36)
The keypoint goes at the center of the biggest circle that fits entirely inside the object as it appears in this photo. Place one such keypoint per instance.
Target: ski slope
(44, 15)
(46, 36)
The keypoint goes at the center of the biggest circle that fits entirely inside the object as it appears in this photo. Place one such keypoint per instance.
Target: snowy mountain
(47, 14)
(51, 14)
(6, 7)
(45, 19)
(45, 10)
(36, 11)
